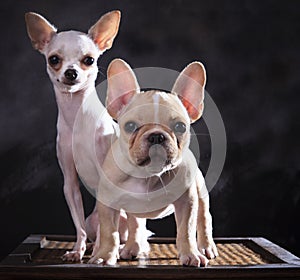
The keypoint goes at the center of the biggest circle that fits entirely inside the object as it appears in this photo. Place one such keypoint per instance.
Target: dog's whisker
(200, 134)
(148, 187)
(173, 172)
(102, 71)
(163, 184)
(101, 67)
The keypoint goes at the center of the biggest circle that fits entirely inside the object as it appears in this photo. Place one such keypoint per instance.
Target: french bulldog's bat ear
(189, 87)
(122, 85)
(105, 30)
(39, 30)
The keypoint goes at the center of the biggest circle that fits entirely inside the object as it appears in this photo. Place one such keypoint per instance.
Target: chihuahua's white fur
(124, 167)
(76, 96)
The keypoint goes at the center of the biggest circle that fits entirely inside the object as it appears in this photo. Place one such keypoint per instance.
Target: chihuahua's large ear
(189, 87)
(122, 85)
(39, 30)
(105, 30)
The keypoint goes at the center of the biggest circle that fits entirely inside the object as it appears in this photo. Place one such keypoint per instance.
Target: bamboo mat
(236, 254)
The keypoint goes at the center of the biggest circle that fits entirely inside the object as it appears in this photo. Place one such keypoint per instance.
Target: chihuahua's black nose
(156, 138)
(71, 74)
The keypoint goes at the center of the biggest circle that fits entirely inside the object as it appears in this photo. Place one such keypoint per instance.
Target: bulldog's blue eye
(130, 127)
(180, 128)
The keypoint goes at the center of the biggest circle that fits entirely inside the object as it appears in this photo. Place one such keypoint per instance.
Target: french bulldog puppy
(150, 171)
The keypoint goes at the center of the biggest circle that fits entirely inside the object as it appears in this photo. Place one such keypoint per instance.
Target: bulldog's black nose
(156, 138)
(71, 74)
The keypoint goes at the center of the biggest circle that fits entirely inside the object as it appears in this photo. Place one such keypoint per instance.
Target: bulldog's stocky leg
(108, 250)
(205, 241)
(72, 196)
(137, 238)
(92, 223)
(186, 218)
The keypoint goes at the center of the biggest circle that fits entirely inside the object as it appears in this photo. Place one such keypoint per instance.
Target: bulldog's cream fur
(149, 170)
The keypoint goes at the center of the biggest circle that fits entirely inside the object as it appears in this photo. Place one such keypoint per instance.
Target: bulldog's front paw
(208, 248)
(133, 249)
(105, 258)
(193, 258)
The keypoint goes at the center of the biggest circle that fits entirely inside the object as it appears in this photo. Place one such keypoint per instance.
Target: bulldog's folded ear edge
(189, 87)
(122, 85)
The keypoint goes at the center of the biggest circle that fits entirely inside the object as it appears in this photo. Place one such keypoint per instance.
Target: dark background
(251, 53)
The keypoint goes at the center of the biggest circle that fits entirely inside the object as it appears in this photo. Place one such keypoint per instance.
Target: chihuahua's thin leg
(73, 198)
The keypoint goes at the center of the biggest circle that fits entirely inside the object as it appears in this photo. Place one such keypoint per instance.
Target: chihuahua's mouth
(69, 83)
(69, 86)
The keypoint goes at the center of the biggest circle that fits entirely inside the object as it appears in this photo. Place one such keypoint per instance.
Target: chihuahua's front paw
(73, 256)
(133, 249)
(208, 248)
(193, 259)
(77, 253)
(105, 258)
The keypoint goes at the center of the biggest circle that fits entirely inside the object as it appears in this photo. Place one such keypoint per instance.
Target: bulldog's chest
(142, 185)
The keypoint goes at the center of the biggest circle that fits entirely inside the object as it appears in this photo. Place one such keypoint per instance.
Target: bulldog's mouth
(156, 156)
(158, 160)
(144, 162)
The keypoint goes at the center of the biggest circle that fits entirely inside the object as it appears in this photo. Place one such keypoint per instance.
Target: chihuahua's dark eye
(88, 60)
(180, 127)
(54, 60)
(130, 127)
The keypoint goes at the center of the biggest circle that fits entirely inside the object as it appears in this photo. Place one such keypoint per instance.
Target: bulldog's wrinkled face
(154, 125)
(154, 131)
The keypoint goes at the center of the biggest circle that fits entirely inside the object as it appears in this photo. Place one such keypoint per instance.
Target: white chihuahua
(72, 67)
